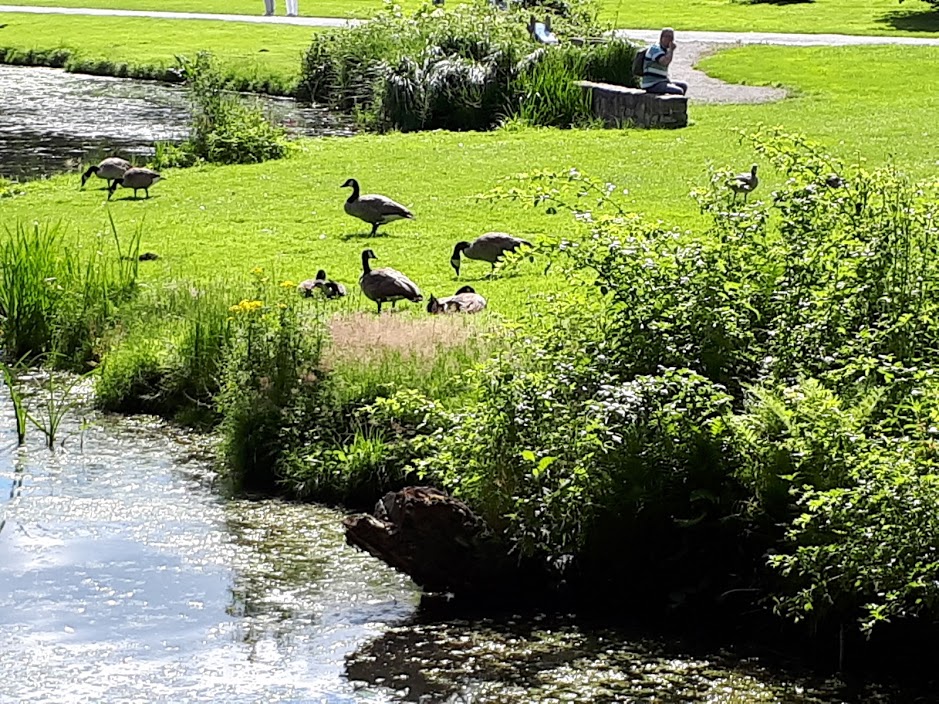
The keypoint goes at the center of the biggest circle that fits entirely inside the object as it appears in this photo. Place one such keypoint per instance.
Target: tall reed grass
(59, 295)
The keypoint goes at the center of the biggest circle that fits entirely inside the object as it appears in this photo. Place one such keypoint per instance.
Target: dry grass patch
(372, 352)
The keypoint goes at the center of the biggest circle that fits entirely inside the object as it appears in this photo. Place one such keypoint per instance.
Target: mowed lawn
(221, 222)
(838, 16)
(258, 53)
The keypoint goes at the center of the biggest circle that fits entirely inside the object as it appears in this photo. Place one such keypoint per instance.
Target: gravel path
(693, 45)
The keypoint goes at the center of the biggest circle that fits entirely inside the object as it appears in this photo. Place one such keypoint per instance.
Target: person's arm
(666, 58)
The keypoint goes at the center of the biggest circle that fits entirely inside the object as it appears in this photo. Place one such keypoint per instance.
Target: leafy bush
(706, 404)
(466, 68)
(273, 398)
(58, 298)
(224, 129)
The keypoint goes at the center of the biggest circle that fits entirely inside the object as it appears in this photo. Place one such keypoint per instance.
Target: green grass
(254, 56)
(840, 16)
(218, 222)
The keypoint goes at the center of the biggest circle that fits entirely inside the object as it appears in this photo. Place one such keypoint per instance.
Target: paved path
(646, 35)
(253, 19)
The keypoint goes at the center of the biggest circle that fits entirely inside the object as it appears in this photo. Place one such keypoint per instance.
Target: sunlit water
(126, 575)
(53, 121)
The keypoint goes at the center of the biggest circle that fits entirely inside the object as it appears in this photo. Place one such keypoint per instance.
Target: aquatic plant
(16, 397)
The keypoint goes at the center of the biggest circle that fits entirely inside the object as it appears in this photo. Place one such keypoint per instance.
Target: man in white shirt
(655, 67)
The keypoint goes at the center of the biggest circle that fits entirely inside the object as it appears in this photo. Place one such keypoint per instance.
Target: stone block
(620, 106)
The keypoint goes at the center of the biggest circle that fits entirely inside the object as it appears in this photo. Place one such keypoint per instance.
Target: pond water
(52, 121)
(128, 575)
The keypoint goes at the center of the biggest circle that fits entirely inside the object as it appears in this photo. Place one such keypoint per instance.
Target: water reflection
(54, 121)
(124, 576)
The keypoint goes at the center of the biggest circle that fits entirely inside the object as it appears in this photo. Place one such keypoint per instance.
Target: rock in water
(438, 542)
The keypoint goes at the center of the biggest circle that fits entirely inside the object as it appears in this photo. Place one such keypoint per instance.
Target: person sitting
(655, 67)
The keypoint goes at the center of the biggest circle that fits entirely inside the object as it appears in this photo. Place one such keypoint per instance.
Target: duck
(331, 289)
(486, 248)
(744, 183)
(137, 178)
(465, 300)
(374, 209)
(108, 169)
(384, 285)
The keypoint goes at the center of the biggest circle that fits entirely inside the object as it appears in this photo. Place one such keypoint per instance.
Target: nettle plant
(774, 370)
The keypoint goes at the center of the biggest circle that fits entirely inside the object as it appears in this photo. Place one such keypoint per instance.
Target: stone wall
(619, 106)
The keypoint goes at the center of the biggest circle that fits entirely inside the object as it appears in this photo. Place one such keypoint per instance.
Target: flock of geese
(382, 285)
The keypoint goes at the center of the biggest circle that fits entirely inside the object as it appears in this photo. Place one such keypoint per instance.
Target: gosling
(744, 183)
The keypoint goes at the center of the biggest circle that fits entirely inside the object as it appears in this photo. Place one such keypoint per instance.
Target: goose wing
(384, 206)
(468, 302)
(493, 245)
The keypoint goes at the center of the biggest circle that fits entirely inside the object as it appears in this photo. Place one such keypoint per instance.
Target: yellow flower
(257, 271)
(246, 306)
(287, 284)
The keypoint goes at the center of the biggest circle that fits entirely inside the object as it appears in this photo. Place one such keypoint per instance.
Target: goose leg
(374, 229)
(147, 191)
(379, 307)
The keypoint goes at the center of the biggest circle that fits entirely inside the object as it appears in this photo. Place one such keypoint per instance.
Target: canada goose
(744, 183)
(834, 181)
(381, 285)
(109, 169)
(486, 248)
(330, 289)
(466, 300)
(374, 209)
(136, 178)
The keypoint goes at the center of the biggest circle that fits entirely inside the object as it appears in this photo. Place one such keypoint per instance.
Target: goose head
(753, 170)
(366, 256)
(113, 187)
(88, 174)
(321, 275)
(465, 289)
(455, 257)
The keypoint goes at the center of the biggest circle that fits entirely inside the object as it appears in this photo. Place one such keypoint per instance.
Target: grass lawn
(820, 16)
(216, 222)
(254, 54)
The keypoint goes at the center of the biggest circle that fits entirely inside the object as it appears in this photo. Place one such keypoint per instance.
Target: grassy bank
(253, 57)
(287, 215)
(825, 16)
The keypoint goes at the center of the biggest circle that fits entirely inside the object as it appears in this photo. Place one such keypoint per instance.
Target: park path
(693, 45)
(645, 35)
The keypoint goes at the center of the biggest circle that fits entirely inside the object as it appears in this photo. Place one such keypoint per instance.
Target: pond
(128, 573)
(53, 121)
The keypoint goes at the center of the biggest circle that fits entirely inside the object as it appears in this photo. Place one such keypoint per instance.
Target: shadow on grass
(911, 20)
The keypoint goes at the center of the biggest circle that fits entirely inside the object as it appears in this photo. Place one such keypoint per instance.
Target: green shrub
(274, 398)
(709, 403)
(472, 67)
(224, 129)
(168, 354)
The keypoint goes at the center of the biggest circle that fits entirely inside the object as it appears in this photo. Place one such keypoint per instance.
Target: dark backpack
(639, 63)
